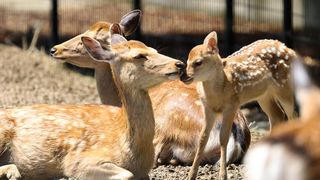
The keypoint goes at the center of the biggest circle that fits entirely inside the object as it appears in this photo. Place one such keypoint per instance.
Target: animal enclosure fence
(173, 27)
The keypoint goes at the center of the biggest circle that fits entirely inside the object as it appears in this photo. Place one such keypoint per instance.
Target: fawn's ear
(307, 93)
(95, 50)
(130, 22)
(211, 42)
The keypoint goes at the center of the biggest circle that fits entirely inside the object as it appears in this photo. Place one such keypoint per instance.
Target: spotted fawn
(259, 71)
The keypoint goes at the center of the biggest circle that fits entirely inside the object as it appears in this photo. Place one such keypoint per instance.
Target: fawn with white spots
(292, 151)
(179, 114)
(259, 71)
(91, 141)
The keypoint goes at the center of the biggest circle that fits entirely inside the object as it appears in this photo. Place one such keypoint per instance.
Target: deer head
(72, 51)
(133, 63)
(203, 60)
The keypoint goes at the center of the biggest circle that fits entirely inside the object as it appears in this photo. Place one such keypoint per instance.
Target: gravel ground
(33, 77)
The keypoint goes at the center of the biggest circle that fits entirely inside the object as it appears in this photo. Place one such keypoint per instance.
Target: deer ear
(117, 38)
(211, 42)
(95, 50)
(130, 22)
(115, 29)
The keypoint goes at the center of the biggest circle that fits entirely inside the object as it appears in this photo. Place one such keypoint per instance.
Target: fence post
(287, 22)
(137, 33)
(54, 22)
(229, 26)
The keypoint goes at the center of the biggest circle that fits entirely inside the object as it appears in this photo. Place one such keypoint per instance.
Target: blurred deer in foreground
(259, 71)
(292, 151)
(179, 114)
(91, 141)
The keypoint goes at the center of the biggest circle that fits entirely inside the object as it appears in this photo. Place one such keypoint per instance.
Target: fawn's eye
(140, 56)
(197, 63)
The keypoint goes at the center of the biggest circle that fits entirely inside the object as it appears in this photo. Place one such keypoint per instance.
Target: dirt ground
(33, 77)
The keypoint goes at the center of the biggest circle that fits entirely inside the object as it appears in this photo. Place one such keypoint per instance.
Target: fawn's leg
(204, 135)
(272, 109)
(229, 113)
(286, 99)
(10, 171)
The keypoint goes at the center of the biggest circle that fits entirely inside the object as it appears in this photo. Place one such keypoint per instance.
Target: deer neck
(213, 89)
(106, 86)
(138, 114)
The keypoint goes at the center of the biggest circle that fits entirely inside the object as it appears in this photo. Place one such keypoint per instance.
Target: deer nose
(52, 51)
(180, 65)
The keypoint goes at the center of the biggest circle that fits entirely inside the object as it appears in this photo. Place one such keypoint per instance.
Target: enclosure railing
(229, 22)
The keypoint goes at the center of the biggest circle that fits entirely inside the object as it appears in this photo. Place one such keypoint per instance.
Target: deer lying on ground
(292, 151)
(259, 71)
(178, 111)
(91, 141)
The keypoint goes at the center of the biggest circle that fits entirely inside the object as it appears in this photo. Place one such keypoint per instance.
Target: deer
(292, 150)
(259, 71)
(91, 141)
(179, 114)
(74, 53)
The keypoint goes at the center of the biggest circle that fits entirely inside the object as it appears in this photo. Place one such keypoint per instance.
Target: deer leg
(158, 147)
(106, 171)
(286, 99)
(228, 115)
(272, 109)
(10, 171)
(204, 136)
(90, 165)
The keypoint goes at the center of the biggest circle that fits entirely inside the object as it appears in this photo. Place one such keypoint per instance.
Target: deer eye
(140, 56)
(197, 63)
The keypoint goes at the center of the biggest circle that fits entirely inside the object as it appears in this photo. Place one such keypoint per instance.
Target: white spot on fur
(198, 103)
(269, 50)
(184, 94)
(286, 57)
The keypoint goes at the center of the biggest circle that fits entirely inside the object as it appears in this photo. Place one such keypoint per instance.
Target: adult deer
(292, 151)
(179, 114)
(91, 141)
(259, 71)
(73, 52)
